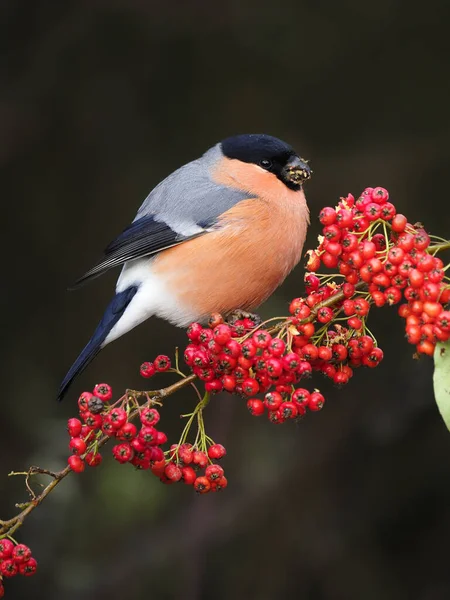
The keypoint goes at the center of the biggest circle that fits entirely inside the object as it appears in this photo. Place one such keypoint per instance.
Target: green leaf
(441, 380)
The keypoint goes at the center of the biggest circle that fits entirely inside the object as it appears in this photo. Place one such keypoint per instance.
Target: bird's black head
(271, 154)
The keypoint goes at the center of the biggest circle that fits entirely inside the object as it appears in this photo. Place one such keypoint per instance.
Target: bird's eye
(265, 163)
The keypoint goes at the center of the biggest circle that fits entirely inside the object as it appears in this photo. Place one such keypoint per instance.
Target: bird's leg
(238, 314)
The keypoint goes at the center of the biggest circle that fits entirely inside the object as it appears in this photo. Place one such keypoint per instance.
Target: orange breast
(256, 244)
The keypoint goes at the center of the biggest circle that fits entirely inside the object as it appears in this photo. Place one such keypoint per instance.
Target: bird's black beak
(296, 171)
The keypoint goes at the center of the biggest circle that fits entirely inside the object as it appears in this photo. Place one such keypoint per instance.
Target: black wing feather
(143, 237)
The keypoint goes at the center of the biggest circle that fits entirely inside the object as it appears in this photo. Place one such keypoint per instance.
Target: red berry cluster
(368, 241)
(15, 559)
(139, 446)
(98, 418)
(185, 461)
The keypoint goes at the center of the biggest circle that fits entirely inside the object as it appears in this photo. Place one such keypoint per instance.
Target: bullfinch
(220, 233)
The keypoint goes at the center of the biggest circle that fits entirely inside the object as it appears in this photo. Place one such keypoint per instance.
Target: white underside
(151, 299)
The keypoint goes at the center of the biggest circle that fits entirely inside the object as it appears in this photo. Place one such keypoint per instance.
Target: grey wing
(189, 197)
(183, 206)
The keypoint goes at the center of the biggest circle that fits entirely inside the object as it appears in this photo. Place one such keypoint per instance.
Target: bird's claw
(240, 314)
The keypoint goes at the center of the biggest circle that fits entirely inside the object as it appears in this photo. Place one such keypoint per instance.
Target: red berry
(416, 278)
(215, 386)
(216, 451)
(393, 295)
(399, 223)
(74, 427)
(255, 407)
(373, 358)
(117, 417)
(162, 363)
(277, 347)
(273, 400)
(28, 568)
(344, 218)
(173, 472)
(147, 369)
(229, 383)
(93, 460)
(310, 352)
(94, 422)
(75, 463)
(6, 548)
(327, 216)
(361, 307)
(83, 400)
(289, 410)
(77, 445)
(250, 386)
(329, 260)
(8, 568)
(421, 240)
(149, 416)
(188, 475)
(148, 435)
(261, 338)
(316, 401)
(193, 331)
(123, 452)
(186, 453)
(200, 458)
(222, 334)
(202, 485)
(103, 391)
(21, 554)
(380, 195)
(388, 211)
(355, 323)
(213, 472)
(325, 314)
(340, 378)
(443, 321)
(291, 362)
(325, 353)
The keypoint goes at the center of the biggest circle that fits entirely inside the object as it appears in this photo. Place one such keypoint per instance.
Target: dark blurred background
(100, 100)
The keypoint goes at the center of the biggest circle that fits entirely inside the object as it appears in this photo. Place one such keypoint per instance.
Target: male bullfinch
(220, 233)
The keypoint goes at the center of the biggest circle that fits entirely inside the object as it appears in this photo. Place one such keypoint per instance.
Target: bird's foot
(239, 314)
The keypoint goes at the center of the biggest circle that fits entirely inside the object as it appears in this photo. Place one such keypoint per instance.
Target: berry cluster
(15, 559)
(139, 446)
(368, 241)
(184, 463)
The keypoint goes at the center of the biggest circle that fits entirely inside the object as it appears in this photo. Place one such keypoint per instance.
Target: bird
(220, 233)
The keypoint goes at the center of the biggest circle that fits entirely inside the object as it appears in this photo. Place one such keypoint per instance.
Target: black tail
(115, 310)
